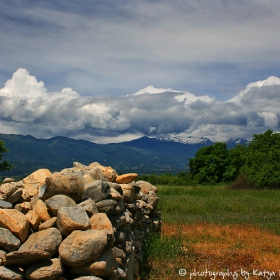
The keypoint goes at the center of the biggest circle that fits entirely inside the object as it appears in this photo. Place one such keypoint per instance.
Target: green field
(215, 228)
(220, 204)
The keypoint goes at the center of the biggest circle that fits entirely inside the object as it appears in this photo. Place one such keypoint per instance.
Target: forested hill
(143, 155)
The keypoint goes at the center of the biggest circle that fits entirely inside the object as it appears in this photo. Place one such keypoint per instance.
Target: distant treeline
(255, 165)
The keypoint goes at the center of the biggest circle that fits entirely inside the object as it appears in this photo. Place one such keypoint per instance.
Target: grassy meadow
(208, 229)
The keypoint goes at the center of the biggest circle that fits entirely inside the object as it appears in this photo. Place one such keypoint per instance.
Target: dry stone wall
(84, 222)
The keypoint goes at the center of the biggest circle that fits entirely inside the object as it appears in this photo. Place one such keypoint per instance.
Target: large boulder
(81, 247)
(72, 218)
(16, 222)
(70, 184)
(41, 245)
(33, 182)
(58, 201)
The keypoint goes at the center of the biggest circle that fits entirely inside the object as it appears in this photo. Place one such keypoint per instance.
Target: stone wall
(84, 222)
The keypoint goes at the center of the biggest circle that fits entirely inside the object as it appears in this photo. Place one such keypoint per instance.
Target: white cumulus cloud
(26, 107)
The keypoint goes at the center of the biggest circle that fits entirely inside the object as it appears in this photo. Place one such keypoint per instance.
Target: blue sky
(98, 53)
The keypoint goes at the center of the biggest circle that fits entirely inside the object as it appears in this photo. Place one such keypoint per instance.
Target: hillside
(143, 155)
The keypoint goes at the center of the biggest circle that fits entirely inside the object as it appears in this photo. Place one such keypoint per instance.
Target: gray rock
(72, 218)
(97, 190)
(58, 201)
(5, 205)
(89, 206)
(10, 273)
(40, 246)
(8, 241)
(81, 247)
(50, 269)
(106, 206)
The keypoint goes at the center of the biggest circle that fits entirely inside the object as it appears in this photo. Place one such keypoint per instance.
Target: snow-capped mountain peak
(199, 140)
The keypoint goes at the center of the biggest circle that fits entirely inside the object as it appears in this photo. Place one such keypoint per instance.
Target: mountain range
(143, 156)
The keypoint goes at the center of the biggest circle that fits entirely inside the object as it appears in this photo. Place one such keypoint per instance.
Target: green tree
(262, 163)
(4, 165)
(236, 160)
(209, 164)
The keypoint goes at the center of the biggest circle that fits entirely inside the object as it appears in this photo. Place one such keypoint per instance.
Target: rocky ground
(84, 222)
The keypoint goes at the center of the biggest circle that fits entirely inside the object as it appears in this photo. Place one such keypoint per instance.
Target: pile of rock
(84, 222)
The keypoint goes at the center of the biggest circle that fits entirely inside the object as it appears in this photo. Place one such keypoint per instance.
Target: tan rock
(108, 172)
(146, 187)
(42, 210)
(48, 224)
(70, 184)
(94, 172)
(126, 178)
(34, 219)
(100, 221)
(10, 192)
(16, 222)
(37, 178)
(128, 192)
(28, 191)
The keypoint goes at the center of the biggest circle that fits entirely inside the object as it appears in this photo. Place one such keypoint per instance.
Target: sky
(110, 71)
